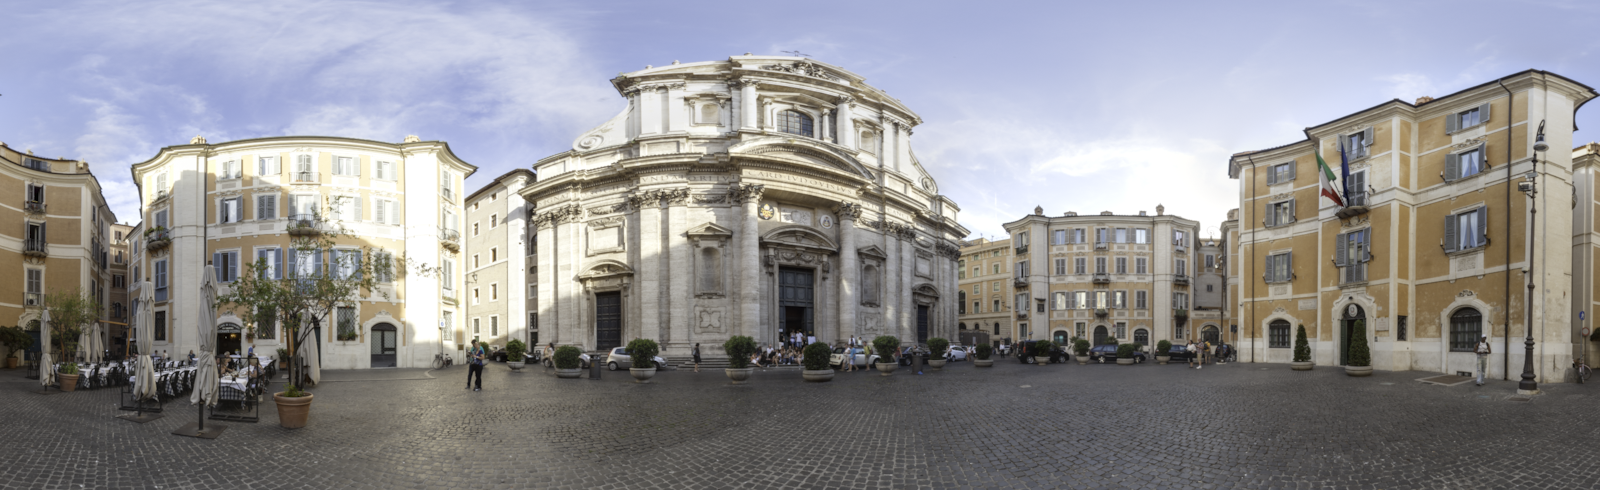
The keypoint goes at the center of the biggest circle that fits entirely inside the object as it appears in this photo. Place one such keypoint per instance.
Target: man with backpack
(475, 365)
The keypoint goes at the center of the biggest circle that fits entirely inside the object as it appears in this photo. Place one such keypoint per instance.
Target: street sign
(1580, 314)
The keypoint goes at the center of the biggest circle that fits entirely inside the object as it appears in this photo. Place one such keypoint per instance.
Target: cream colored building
(1586, 251)
(240, 201)
(1432, 250)
(54, 234)
(984, 277)
(497, 267)
(1127, 277)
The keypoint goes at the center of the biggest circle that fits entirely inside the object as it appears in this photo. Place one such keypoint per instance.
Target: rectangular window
(1141, 235)
(346, 166)
(1082, 329)
(159, 326)
(996, 285)
(1141, 265)
(161, 280)
(977, 289)
(1139, 300)
(1099, 265)
(1119, 299)
(1180, 301)
(268, 166)
(494, 256)
(1022, 239)
(494, 292)
(976, 305)
(1351, 252)
(272, 258)
(347, 323)
(1078, 235)
(1178, 238)
(1061, 267)
(996, 307)
(385, 170)
(447, 275)
(1358, 188)
(1058, 237)
(494, 326)
(1279, 268)
(1465, 164)
(266, 324)
(494, 221)
(1357, 145)
(1280, 173)
(1278, 335)
(1466, 119)
(267, 207)
(229, 211)
(1181, 268)
(230, 170)
(1280, 213)
(1081, 299)
(1121, 330)
(1102, 299)
(1079, 265)
(1101, 236)
(35, 194)
(1058, 300)
(226, 264)
(1466, 230)
(305, 170)
(1122, 235)
(1122, 265)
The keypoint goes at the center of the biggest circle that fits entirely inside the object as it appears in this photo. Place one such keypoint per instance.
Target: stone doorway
(795, 302)
(922, 324)
(1352, 313)
(1211, 334)
(383, 340)
(608, 320)
(1100, 335)
(228, 339)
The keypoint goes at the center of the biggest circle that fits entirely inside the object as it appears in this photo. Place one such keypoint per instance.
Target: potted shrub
(15, 339)
(815, 359)
(68, 376)
(937, 346)
(1125, 353)
(739, 349)
(567, 363)
(1302, 352)
(1163, 351)
(981, 356)
(1080, 348)
(886, 346)
(294, 407)
(1041, 351)
(514, 350)
(642, 357)
(1360, 358)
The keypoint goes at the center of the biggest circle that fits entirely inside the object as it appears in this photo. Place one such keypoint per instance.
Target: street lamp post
(1528, 385)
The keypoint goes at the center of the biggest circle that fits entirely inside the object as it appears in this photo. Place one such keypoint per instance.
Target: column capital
(848, 211)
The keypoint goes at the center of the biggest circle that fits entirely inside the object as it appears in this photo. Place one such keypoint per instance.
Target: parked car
(583, 361)
(957, 353)
(860, 358)
(1108, 353)
(619, 359)
(497, 353)
(1180, 353)
(906, 352)
(1026, 354)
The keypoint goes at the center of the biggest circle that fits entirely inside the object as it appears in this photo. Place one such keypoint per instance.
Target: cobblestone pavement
(1011, 426)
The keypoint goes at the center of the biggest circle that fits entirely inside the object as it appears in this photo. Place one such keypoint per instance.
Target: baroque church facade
(755, 196)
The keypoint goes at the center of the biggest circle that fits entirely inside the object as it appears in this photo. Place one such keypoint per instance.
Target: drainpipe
(1505, 312)
(1253, 248)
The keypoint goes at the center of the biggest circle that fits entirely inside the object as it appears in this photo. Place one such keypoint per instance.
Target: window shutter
(271, 211)
(378, 211)
(1341, 250)
(261, 166)
(1292, 170)
(355, 264)
(1483, 113)
(394, 212)
(1483, 225)
(1286, 271)
(1272, 214)
(1366, 141)
(1452, 166)
(1452, 123)
(1450, 233)
(1291, 211)
(1272, 269)
(316, 262)
(1366, 245)
(355, 164)
(293, 255)
(1272, 176)
(1483, 156)
(277, 263)
(358, 209)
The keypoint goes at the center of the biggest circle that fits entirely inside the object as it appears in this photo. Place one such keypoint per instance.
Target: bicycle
(441, 361)
(1581, 369)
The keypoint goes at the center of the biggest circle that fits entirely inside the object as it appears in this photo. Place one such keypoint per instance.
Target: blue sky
(1081, 106)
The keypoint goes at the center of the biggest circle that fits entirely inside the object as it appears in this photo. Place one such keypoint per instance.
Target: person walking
(1192, 352)
(696, 353)
(1483, 358)
(475, 365)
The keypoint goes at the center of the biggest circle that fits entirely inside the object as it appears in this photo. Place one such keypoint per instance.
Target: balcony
(305, 225)
(305, 177)
(1022, 314)
(1101, 312)
(35, 248)
(450, 239)
(1102, 278)
(447, 194)
(1101, 245)
(1356, 206)
(33, 299)
(1022, 249)
(33, 207)
(1180, 279)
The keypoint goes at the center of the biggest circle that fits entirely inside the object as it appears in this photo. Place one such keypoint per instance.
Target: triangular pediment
(872, 251)
(709, 229)
(799, 236)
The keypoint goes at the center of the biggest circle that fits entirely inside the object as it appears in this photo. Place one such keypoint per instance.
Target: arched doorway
(1352, 313)
(1141, 336)
(1100, 334)
(1060, 337)
(228, 339)
(1211, 334)
(383, 345)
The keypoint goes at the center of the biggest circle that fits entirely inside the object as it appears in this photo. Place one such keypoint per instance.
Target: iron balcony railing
(307, 177)
(35, 246)
(33, 299)
(33, 206)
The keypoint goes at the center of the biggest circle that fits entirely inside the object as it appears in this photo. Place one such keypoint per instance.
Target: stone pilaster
(847, 127)
(749, 107)
(750, 262)
(849, 270)
(545, 255)
(650, 267)
(681, 296)
(908, 306)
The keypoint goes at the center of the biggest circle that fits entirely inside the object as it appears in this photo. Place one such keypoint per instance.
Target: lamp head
(1539, 144)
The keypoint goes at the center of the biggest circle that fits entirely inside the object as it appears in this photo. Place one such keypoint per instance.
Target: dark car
(1180, 353)
(1108, 353)
(1026, 353)
(905, 355)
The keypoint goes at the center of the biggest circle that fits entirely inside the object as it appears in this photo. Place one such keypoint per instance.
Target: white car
(619, 359)
(860, 359)
(957, 353)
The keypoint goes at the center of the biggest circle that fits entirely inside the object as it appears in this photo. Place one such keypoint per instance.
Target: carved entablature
(900, 231)
(844, 99)
(735, 83)
(1466, 293)
(802, 67)
(848, 211)
(558, 215)
(711, 198)
(946, 250)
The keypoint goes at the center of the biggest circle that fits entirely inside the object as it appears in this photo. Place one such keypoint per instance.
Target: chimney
(1071, 213)
(1038, 211)
(1424, 99)
(1107, 213)
(411, 138)
(1141, 213)
(1161, 210)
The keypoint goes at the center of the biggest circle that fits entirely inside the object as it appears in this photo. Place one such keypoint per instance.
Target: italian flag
(1327, 177)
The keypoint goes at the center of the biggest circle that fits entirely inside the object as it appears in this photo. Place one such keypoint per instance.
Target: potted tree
(642, 356)
(1125, 354)
(886, 346)
(68, 376)
(567, 364)
(294, 407)
(938, 346)
(514, 350)
(1302, 352)
(739, 349)
(1360, 358)
(815, 359)
(1041, 351)
(1080, 348)
(982, 356)
(15, 339)
(1163, 351)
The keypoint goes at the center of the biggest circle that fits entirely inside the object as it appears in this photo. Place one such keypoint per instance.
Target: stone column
(545, 254)
(849, 270)
(822, 126)
(749, 261)
(908, 278)
(649, 265)
(847, 126)
(749, 104)
(680, 295)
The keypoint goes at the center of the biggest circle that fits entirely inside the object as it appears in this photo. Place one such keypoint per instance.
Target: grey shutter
(1340, 250)
(261, 166)
(1287, 271)
(1272, 214)
(1483, 113)
(1483, 225)
(1292, 170)
(1272, 175)
(1291, 211)
(316, 262)
(1450, 233)
(277, 263)
(1366, 141)
(216, 262)
(272, 207)
(1272, 270)
(355, 264)
(1452, 123)
(293, 254)
(1483, 157)
(358, 209)
(1366, 245)
(356, 162)
(1452, 166)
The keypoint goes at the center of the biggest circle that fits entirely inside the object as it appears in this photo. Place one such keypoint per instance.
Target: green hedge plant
(816, 356)
(984, 351)
(15, 339)
(69, 368)
(1163, 347)
(1081, 347)
(1125, 351)
(566, 357)
(1042, 348)
(1302, 349)
(1359, 356)
(642, 353)
(938, 346)
(887, 346)
(739, 348)
(514, 350)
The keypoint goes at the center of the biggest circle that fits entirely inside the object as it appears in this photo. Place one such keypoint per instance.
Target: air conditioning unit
(31, 301)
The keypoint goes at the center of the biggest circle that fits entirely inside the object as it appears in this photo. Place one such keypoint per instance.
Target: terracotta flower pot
(642, 375)
(738, 375)
(817, 376)
(11, 363)
(292, 412)
(69, 382)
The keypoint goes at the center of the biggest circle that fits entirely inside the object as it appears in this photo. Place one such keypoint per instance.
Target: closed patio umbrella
(145, 372)
(206, 381)
(47, 369)
(83, 345)
(313, 366)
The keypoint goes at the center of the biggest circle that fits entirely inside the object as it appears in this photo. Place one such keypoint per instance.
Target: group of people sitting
(782, 355)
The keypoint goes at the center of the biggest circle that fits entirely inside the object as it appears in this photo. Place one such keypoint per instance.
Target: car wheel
(612, 366)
